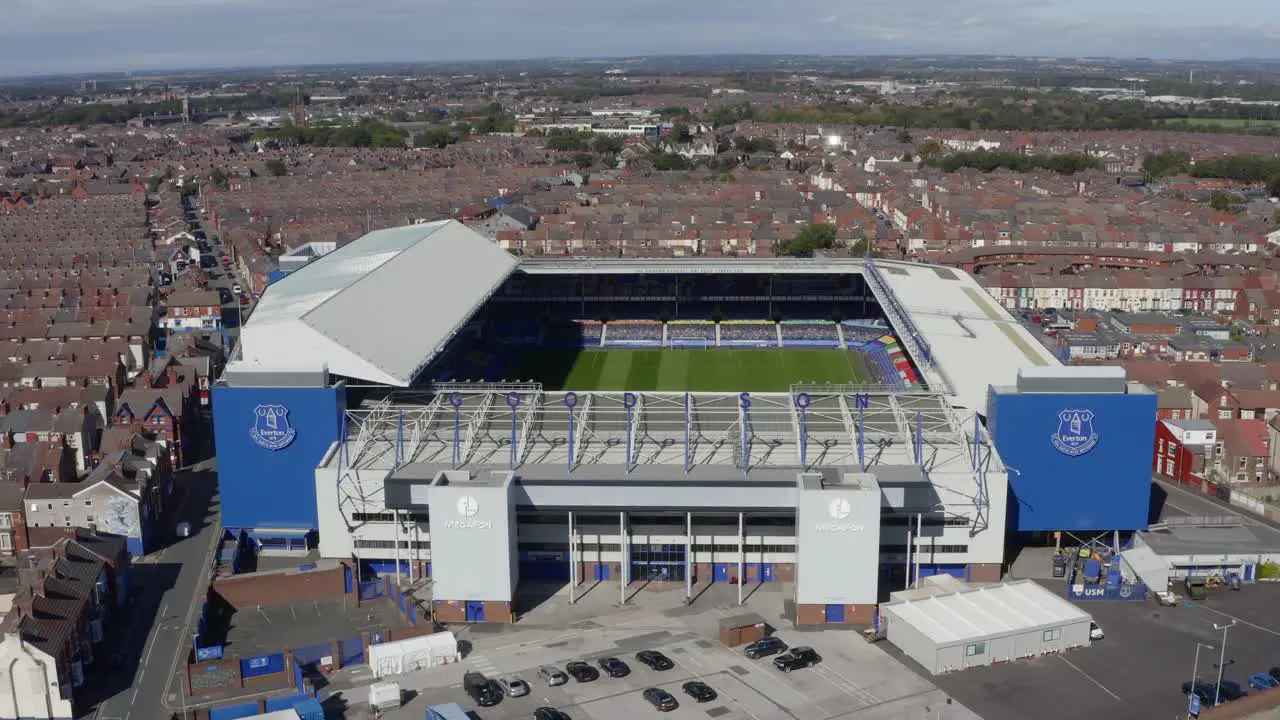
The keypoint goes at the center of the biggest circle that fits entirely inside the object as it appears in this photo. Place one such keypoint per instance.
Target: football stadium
(427, 405)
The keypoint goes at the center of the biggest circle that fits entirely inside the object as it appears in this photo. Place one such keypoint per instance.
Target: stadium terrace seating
(691, 334)
(572, 334)
(634, 333)
(748, 334)
(816, 333)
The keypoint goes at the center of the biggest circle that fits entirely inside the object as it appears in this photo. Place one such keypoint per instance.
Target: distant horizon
(77, 37)
(549, 59)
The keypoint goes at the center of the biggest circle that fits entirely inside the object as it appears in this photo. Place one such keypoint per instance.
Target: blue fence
(690, 342)
(262, 665)
(372, 589)
(234, 712)
(633, 343)
(802, 343)
(749, 343)
(352, 650)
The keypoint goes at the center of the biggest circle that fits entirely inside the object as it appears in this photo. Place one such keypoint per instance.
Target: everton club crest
(1076, 434)
(271, 428)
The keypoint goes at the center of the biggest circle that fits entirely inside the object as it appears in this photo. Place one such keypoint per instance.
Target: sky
(73, 36)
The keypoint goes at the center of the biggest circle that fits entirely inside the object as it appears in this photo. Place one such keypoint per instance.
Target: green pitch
(679, 370)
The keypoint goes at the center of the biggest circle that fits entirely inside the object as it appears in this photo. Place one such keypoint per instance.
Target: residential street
(169, 587)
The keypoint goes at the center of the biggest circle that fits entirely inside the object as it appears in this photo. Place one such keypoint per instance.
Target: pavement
(169, 587)
(855, 680)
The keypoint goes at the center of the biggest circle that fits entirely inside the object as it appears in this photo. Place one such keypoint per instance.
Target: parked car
(1262, 681)
(1229, 690)
(796, 657)
(513, 686)
(237, 289)
(1095, 632)
(699, 691)
(582, 672)
(553, 676)
(660, 699)
(614, 668)
(764, 646)
(1205, 691)
(482, 690)
(1274, 672)
(655, 660)
(550, 713)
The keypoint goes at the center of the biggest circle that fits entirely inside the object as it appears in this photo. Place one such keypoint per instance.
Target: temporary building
(973, 626)
(418, 653)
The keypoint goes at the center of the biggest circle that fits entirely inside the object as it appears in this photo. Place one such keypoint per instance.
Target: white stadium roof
(379, 308)
(974, 342)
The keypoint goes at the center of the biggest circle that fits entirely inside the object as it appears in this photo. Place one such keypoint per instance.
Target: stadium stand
(810, 333)
(691, 333)
(634, 333)
(748, 333)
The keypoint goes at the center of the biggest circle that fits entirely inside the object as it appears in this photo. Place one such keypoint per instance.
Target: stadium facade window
(544, 546)
(387, 517)
(600, 547)
(951, 549)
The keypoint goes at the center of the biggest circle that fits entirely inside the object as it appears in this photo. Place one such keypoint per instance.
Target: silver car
(552, 676)
(513, 686)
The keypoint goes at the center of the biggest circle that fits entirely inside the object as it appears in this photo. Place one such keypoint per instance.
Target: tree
(567, 142)
(584, 160)
(607, 144)
(814, 236)
(219, 179)
(275, 168)
(1221, 201)
(930, 149)
(680, 133)
(904, 137)
(438, 137)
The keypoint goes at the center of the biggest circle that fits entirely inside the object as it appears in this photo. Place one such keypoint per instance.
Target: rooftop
(379, 308)
(996, 610)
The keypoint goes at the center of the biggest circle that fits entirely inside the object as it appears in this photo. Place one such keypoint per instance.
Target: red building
(1184, 450)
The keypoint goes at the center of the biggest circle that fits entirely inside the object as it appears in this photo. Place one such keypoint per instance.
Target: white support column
(688, 556)
(741, 554)
(907, 584)
(395, 522)
(413, 549)
(625, 565)
(573, 562)
(919, 538)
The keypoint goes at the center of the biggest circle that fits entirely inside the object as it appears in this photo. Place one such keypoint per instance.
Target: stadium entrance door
(658, 563)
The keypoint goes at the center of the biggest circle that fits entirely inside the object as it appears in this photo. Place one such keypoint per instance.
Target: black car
(655, 660)
(1229, 690)
(763, 647)
(550, 713)
(699, 691)
(482, 690)
(796, 657)
(582, 672)
(1204, 690)
(614, 668)
(661, 700)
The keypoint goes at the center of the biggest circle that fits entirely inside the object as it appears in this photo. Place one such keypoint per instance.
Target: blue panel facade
(1079, 461)
(269, 442)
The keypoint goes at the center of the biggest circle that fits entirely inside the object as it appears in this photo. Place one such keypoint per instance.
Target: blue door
(835, 613)
(602, 572)
(722, 572)
(1248, 573)
(475, 611)
(766, 572)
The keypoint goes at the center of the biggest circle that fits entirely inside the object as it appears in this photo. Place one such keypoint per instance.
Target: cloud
(95, 35)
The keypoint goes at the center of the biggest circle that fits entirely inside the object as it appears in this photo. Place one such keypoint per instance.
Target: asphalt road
(169, 587)
(233, 314)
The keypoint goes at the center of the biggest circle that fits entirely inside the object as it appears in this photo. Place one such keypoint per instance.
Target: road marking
(1090, 678)
(847, 685)
(688, 663)
(1240, 621)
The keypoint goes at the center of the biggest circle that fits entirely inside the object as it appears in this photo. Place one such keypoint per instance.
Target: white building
(29, 685)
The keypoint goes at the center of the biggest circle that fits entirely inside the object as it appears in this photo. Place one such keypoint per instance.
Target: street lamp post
(1222, 658)
(1195, 668)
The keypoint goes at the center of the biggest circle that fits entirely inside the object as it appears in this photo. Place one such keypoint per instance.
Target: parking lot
(854, 679)
(1138, 670)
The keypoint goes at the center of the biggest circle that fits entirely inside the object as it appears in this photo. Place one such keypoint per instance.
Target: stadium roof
(691, 266)
(973, 341)
(379, 308)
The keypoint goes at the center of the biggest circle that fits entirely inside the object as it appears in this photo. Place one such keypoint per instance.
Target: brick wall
(252, 591)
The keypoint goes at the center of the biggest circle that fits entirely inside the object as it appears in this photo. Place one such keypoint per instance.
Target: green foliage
(930, 149)
(1269, 570)
(495, 120)
(584, 160)
(989, 161)
(668, 161)
(438, 137)
(730, 114)
(153, 183)
(276, 168)
(366, 133)
(565, 141)
(1166, 163)
(219, 179)
(680, 133)
(814, 236)
(904, 137)
(670, 113)
(1222, 201)
(754, 145)
(1245, 168)
(607, 144)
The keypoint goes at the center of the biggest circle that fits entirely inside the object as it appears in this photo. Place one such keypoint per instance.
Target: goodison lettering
(469, 524)
(838, 527)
